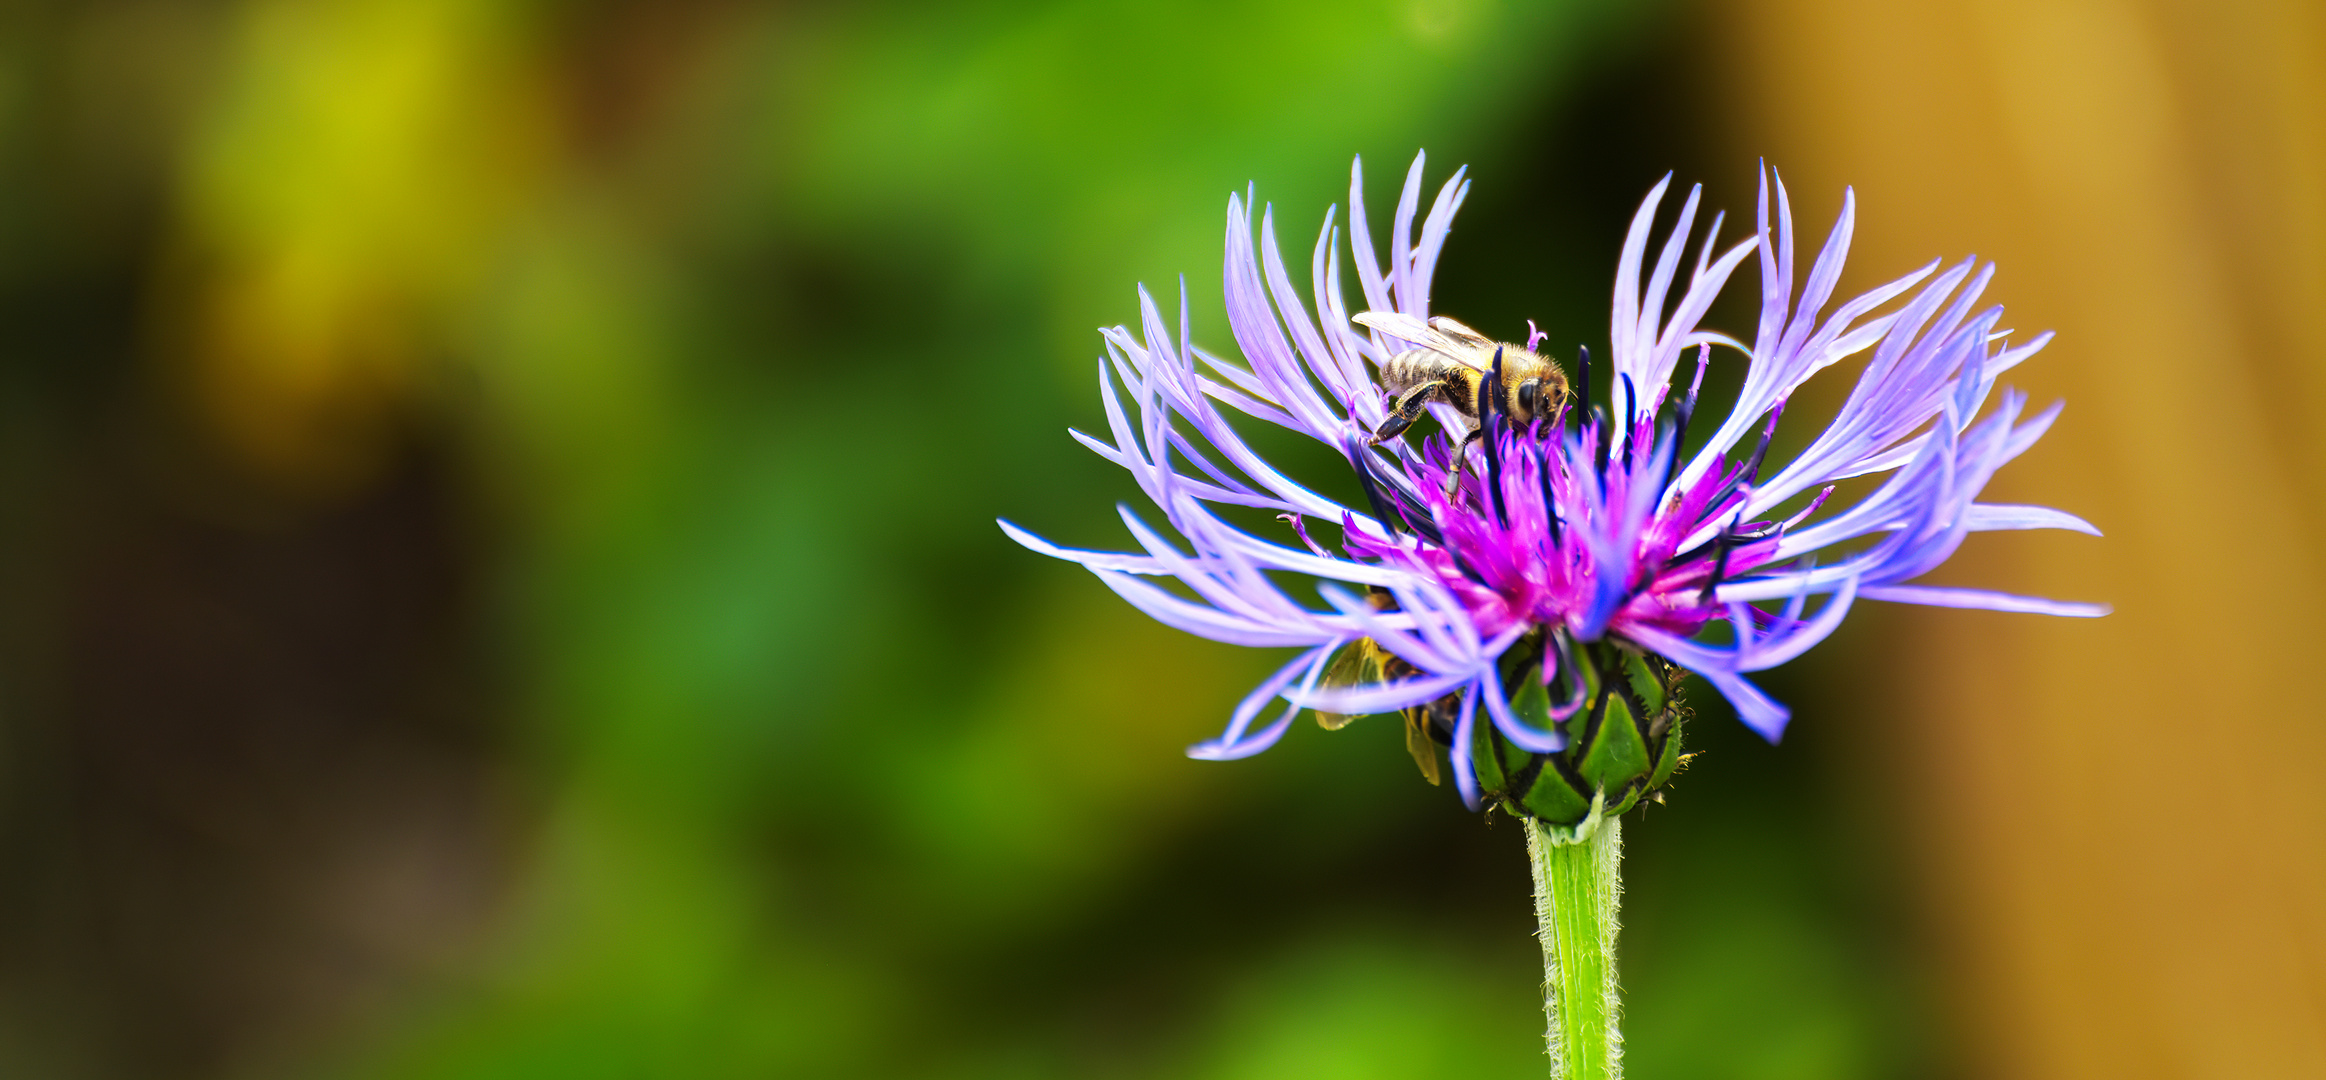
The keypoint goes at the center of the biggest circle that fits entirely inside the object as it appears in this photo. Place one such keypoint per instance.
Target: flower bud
(1623, 736)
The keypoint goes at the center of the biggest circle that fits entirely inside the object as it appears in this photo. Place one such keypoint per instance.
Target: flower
(1581, 559)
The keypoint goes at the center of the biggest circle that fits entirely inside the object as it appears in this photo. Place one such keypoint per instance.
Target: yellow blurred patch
(348, 189)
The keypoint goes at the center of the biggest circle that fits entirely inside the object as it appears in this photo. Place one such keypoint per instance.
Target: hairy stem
(1577, 891)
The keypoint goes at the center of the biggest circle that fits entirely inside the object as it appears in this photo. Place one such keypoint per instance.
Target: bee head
(1530, 396)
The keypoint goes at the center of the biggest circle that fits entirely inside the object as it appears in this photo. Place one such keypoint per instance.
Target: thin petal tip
(1219, 751)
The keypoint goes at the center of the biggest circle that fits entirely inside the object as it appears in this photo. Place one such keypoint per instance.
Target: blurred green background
(500, 577)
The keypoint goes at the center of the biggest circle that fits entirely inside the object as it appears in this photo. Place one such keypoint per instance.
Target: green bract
(1622, 745)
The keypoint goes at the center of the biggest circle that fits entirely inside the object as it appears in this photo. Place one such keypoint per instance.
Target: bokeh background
(497, 573)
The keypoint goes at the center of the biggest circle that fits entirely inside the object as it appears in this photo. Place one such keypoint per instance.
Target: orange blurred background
(2124, 829)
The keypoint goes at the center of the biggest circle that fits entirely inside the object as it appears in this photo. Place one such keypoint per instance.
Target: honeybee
(1365, 663)
(1452, 363)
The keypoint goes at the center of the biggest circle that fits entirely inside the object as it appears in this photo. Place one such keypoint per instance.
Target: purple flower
(1574, 530)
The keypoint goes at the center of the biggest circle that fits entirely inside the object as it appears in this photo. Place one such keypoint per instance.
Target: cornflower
(1529, 596)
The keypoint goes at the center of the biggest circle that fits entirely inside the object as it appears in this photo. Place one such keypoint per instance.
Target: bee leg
(1405, 411)
(1461, 460)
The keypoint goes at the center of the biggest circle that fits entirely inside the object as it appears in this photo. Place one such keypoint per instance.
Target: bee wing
(1461, 333)
(1397, 324)
(1359, 664)
(1419, 744)
(1426, 335)
(1364, 663)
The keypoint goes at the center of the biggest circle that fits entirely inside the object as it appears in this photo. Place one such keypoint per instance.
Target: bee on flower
(1529, 582)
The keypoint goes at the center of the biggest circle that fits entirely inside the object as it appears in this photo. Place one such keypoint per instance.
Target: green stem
(1578, 888)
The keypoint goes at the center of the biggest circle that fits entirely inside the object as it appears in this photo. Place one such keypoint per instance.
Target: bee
(1453, 364)
(1365, 663)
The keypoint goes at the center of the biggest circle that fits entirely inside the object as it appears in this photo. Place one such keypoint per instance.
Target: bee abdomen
(1409, 369)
